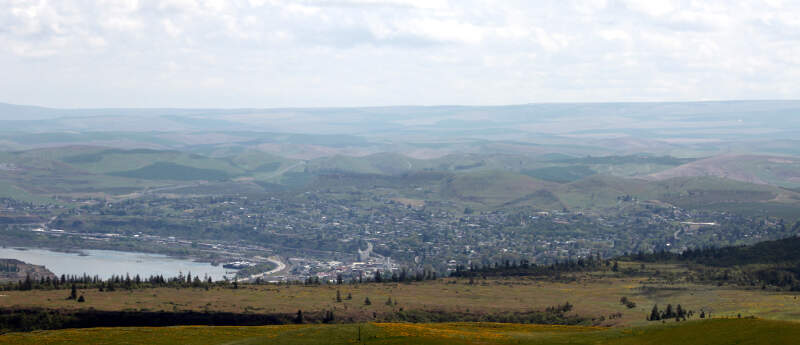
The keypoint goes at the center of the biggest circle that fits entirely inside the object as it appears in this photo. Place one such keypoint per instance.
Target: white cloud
(371, 52)
(614, 35)
(551, 42)
(170, 28)
(443, 30)
(652, 7)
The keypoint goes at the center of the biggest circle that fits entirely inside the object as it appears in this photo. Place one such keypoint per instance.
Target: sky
(318, 53)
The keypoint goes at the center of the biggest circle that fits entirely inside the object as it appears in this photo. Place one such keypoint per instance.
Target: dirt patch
(410, 202)
(781, 161)
(734, 167)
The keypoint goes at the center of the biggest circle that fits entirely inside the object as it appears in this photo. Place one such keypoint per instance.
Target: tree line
(8, 267)
(404, 275)
(768, 252)
(678, 313)
(526, 268)
(770, 263)
(126, 282)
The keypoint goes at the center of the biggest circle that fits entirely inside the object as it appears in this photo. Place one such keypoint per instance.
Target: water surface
(105, 263)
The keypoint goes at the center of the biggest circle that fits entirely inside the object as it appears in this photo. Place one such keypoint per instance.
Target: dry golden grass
(593, 297)
(710, 332)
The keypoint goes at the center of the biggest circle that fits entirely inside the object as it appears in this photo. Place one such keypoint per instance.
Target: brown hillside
(773, 170)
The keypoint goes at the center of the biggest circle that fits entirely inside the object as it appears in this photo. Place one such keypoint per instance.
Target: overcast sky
(273, 53)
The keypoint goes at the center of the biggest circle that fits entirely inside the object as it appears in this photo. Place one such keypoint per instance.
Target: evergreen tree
(74, 293)
(367, 301)
(28, 284)
(328, 318)
(654, 314)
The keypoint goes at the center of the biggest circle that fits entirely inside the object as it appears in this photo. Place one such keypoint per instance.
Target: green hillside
(564, 174)
(108, 161)
(478, 181)
(259, 162)
(685, 192)
(8, 190)
(382, 163)
(492, 188)
(171, 171)
(600, 191)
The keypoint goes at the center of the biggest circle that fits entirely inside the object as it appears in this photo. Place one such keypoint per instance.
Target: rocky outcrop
(12, 270)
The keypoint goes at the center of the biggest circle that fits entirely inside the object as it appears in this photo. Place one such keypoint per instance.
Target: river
(105, 263)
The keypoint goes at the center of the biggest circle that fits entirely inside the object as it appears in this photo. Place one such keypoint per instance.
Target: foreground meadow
(710, 332)
(592, 296)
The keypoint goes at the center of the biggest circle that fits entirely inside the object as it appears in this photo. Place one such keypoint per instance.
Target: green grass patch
(561, 174)
(709, 332)
(172, 171)
(8, 190)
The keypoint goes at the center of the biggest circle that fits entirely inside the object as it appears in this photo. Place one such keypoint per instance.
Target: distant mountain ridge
(632, 119)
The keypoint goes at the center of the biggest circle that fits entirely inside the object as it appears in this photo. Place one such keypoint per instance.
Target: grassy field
(710, 332)
(593, 296)
(8, 190)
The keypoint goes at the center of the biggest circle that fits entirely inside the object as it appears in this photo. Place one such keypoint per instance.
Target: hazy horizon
(410, 105)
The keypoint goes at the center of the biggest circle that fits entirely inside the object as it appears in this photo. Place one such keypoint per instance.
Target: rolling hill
(773, 170)
(750, 184)
(495, 188)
